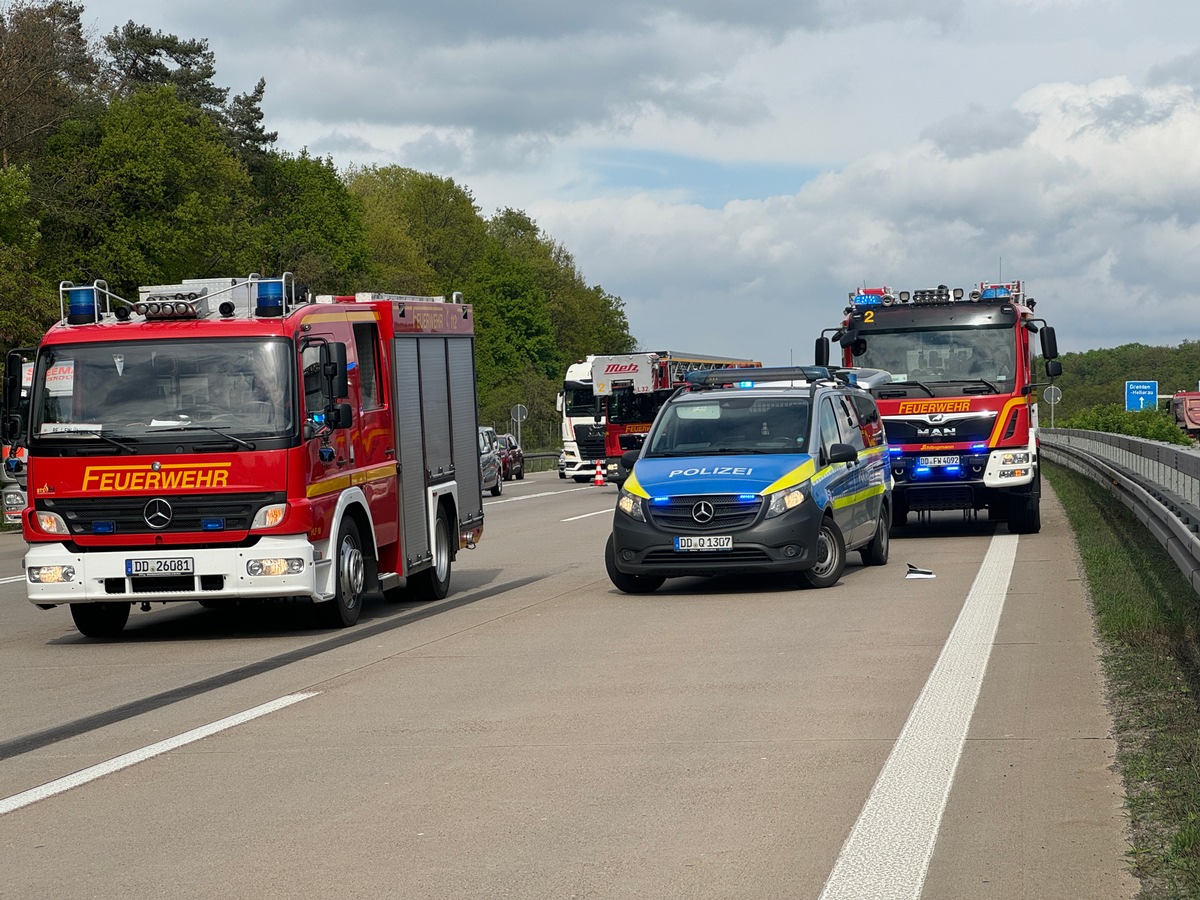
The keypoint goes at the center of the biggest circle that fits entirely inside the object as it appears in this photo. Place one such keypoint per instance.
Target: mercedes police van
(751, 471)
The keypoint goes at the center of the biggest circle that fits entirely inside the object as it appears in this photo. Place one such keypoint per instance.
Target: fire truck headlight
(274, 565)
(269, 516)
(781, 501)
(14, 500)
(51, 523)
(1015, 459)
(51, 574)
(631, 505)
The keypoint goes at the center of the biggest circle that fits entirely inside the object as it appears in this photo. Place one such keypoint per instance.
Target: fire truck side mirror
(342, 416)
(821, 352)
(333, 368)
(13, 368)
(1049, 343)
(1053, 368)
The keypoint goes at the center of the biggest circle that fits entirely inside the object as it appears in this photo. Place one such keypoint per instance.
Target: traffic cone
(599, 479)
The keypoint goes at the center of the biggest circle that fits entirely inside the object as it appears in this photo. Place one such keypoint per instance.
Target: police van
(752, 471)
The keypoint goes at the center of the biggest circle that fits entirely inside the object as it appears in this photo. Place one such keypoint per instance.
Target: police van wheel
(343, 610)
(434, 583)
(100, 620)
(876, 552)
(628, 584)
(831, 558)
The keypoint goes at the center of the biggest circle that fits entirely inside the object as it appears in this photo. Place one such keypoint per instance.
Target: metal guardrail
(1159, 482)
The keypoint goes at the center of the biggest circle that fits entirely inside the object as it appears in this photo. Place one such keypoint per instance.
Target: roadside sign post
(1053, 396)
(519, 414)
(1141, 395)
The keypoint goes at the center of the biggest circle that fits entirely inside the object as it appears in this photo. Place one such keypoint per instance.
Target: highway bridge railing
(1159, 482)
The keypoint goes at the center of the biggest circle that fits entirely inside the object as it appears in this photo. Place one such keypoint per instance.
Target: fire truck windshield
(135, 389)
(985, 354)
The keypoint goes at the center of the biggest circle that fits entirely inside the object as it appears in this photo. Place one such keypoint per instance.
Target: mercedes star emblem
(702, 512)
(157, 513)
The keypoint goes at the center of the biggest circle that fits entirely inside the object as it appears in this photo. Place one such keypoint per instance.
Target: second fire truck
(630, 390)
(223, 440)
(961, 407)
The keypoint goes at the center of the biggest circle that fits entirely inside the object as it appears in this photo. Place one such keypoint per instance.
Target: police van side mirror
(842, 453)
(629, 457)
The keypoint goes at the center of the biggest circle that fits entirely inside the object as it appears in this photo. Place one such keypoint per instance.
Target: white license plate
(171, 565)
(938, 461)
(704, 542)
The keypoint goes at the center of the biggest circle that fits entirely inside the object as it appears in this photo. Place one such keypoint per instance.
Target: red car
(512, 457)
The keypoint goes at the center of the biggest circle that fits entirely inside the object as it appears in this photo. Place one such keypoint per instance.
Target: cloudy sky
(733, 169)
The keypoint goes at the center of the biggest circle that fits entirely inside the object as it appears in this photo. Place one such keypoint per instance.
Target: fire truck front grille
(127, 515)
(727, 511)
(941, 497)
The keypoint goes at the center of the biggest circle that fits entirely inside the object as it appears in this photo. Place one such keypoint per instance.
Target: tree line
(121, 159)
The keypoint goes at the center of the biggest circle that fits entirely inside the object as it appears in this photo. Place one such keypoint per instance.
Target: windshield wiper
(896, 389)
(92, 433)
(983, 381)
(249, 445)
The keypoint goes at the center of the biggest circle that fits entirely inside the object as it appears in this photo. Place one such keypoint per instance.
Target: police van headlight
(781, 501)
(632, 505)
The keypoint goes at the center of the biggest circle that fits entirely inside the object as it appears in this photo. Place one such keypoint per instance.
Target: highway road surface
(540, 735)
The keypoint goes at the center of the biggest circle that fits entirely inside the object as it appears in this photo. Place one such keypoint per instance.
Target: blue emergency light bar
(752, 377)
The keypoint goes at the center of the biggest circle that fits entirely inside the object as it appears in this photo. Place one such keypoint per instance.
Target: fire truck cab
(224, 440)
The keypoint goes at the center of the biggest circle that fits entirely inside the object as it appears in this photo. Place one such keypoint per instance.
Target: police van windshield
(943, 355)
(138, 389)
(732, 425)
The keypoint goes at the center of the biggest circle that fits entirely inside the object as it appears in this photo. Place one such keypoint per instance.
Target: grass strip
(1148, 623)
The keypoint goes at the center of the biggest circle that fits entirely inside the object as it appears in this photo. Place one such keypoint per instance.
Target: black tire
(434, 583)
(100, 620)
(562, 474)
(831, 557)
(349, 579)
(1024, 514)
(521, 473)
(628, 584)
(875, 553)
(498, 488)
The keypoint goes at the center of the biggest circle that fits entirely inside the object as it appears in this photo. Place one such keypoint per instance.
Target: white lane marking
(531, 496)
(12, 579)
(587, 515)
(886, 856)
(83, 776)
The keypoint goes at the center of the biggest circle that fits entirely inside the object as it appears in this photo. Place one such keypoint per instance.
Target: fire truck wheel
(628, 584)
(343, 610)
(831, 558)
(876, 552)
(100, 620)
(434, 583)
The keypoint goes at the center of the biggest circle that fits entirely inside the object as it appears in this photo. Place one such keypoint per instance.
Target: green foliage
(45, 70)
(143, 60)
(396, 264)
(1097, 377)
(26, 304)
(310, 225)
(1151, 424)
(147, 193)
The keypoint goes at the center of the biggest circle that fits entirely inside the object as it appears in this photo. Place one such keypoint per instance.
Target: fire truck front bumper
(273, 567)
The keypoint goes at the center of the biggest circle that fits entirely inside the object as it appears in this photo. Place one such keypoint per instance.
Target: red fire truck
(961, 406)
(630, 390)
(224, 439)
